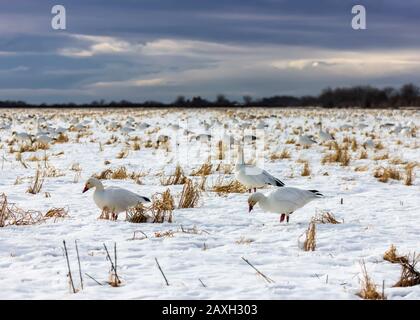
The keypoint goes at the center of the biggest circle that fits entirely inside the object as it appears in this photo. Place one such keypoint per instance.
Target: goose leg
(249, 190)
(287, 219)
(282, 216)
(255, 189)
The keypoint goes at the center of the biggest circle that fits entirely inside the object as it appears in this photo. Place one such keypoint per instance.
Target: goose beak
(85, 189)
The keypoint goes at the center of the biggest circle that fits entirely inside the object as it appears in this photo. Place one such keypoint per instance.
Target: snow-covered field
(376, 214)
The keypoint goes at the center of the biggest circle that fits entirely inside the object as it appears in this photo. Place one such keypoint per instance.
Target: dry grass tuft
(56, 213)
(10, 214)
(361, 168)
(409, 174)
(136, 146)
(62, 138)
(177, 178)
(368, 290)
(383, 174)
(354, 144)
(164, 234)
(391, 256)
(290, 141)
(306, 171)
(104, 175)
(324, 218)
(204, 170)
(222, 187)
(220, 154)
(310, 239)
(158, 212)
(190, 195)
(410, 276)
(284, 154)
(37, 183)
(244, 240)
(225, 168)
(340, 155)
(382, 156)
(123, 154)
(363, 154)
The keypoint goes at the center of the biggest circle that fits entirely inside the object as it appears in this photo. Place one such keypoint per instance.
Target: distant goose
(306, 141)
(22, 136)
(113, 199)
(252, 176)
(325, 136)
(283, 200)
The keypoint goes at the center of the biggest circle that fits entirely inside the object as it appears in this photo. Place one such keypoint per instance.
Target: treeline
(345, 97)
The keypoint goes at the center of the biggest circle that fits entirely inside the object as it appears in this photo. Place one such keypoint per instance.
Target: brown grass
(177, 178)
(379, 146)
(204, 170)
(244, 240)
(225, 168)
(136, 146)
(325, 217)
(158, 212)
(368, 290)
(340, 155)
(220, 153)
(410, 276)
(363, 154)
(223, 187)
(37, 183)
(310, 239)
(361, 168)
(190, 195)
(391, 256)
(354, 144)
(306, 171)
(10, 214)
(284, 154)
(164, 234)
(409, 174)
(383, 174)
(290, 141)
(62, 138)
(382, 156)
(123, 154)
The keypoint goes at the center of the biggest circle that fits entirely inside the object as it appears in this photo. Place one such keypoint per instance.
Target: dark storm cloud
(131, 61)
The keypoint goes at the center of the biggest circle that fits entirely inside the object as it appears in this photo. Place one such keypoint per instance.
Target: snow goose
(252, 176)
(325, 136)
(113, 199)
(283, 200)
(306, 141)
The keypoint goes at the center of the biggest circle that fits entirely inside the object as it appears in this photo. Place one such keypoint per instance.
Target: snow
(375, 214)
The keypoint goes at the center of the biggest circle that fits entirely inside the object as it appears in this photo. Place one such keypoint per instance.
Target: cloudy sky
(158, 49)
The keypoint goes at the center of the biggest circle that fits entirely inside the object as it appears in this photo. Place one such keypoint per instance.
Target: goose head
(92, 183)
(254, 199)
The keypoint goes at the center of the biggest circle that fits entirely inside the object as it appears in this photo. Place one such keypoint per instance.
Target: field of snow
(201, 257)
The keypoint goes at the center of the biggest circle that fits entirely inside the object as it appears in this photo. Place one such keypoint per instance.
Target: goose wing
(294, 197)
(122, 198)
(259, 176)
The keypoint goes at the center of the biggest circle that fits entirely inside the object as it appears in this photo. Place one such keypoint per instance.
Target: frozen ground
(375, 214)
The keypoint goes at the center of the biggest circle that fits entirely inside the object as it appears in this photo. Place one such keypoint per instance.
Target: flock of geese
(283, 200)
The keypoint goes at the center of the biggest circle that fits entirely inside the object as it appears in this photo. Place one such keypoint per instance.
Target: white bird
(252, 176)
(325, 136)
(305, 140)
(113, 199)
(283, 200)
